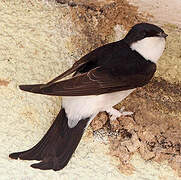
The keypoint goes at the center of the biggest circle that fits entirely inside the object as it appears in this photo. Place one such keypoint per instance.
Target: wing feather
(97, 81)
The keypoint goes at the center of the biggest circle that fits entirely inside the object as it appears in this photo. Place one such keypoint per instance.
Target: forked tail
(57, 146)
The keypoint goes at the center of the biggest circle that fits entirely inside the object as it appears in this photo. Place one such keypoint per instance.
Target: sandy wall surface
(38, 40)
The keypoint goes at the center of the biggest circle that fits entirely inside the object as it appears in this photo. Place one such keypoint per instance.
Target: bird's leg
(114, 113)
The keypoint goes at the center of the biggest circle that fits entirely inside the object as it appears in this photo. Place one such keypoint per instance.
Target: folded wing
(99, 80)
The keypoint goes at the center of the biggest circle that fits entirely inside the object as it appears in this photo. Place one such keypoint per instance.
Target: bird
(100, 79)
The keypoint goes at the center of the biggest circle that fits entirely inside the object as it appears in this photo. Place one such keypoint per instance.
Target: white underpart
(81, 107)
(151, 48)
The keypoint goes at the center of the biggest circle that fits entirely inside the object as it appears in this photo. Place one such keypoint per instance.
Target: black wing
(113, 76)
(95, 58)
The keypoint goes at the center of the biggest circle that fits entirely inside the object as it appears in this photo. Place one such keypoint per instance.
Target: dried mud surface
(154, 131)
(97, 21)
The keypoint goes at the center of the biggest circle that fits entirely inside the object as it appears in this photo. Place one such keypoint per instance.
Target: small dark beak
(162, 34)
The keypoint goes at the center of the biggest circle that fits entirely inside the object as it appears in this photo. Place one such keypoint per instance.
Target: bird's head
(147, 39)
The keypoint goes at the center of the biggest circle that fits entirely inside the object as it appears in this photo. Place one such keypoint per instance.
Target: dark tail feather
(42, 89)
(36, 88)
(57, 146)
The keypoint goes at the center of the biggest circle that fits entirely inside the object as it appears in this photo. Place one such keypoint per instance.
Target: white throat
(151, 48)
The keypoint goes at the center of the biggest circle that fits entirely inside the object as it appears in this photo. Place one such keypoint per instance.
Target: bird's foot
(114, 113)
